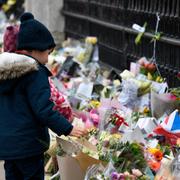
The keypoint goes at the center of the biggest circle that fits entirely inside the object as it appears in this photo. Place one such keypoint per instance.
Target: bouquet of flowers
(115, 121)
(126, 162)
(149, 69)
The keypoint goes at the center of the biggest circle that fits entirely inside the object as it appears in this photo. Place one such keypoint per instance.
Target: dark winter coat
(25, 109)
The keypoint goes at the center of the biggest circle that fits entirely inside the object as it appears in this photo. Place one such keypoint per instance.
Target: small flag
(170, 127)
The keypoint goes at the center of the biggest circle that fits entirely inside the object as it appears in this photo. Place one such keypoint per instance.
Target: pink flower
(172, 97)
(88, 124)
(94, 116)
(82, 115)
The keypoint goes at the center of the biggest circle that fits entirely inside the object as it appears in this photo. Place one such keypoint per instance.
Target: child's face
(41, 56)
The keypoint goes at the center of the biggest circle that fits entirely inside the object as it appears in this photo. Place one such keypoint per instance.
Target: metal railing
(111, 22)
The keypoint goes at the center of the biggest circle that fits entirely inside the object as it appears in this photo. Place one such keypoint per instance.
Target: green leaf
(140, 35)
(156, 37)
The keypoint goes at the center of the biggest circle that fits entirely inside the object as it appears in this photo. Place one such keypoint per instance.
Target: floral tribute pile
(132, 116)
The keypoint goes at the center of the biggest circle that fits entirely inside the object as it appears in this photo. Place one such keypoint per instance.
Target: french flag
(170, 127)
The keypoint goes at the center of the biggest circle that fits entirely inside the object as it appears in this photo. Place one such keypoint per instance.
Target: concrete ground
(2, 177)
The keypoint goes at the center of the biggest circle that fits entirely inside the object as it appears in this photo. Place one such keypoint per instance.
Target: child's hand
(78, 131)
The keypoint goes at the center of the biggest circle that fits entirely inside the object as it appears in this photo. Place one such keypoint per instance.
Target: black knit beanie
(33, 35)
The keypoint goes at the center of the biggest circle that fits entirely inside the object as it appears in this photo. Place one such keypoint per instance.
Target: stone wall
(48, 12)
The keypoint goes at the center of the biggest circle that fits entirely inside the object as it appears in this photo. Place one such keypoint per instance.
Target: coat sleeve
(38, 94)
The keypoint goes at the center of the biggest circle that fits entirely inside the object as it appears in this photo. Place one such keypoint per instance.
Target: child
(60, 103)
(26, 111)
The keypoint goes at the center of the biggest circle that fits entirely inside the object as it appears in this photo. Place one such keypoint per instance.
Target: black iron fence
(111, 22)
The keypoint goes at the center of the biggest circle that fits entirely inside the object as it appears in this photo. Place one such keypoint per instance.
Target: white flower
(137, 172)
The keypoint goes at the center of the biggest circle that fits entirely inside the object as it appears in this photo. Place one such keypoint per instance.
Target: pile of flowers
(113, 104)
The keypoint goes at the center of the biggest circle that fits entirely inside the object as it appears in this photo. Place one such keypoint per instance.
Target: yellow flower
(146, 110)
(11, 2)
(158, 155)
(8, 5)
(95, 103)
(153, 150)
(116, 136)
(5, 7)
(91, 40)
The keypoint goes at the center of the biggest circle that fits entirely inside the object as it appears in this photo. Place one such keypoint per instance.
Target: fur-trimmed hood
(15, 65)
(12, 67)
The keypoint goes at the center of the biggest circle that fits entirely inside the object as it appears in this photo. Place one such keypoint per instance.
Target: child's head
(35, 38)
(33, 35)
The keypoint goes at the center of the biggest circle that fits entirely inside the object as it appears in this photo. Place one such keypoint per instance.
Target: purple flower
(114, 176)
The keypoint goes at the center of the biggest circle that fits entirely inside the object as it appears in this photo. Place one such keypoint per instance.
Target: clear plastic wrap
(98, 172)
(94, 172)
(161, 104)
(128, 96)
(109, 169)
(175, 167)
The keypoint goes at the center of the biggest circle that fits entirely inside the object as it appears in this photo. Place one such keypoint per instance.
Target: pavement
(2, 177)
